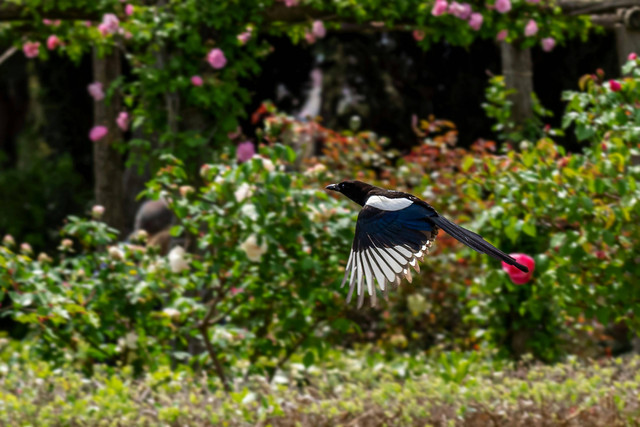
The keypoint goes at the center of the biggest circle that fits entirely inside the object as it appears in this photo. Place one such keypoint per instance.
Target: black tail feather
(475, 241)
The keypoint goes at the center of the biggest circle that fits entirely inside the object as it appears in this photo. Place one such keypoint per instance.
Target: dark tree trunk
(518, 75)
(108, 165)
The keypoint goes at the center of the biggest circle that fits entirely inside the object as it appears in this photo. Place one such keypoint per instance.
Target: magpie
(393, 232)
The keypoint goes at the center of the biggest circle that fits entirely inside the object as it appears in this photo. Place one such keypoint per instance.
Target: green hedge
(351, 388)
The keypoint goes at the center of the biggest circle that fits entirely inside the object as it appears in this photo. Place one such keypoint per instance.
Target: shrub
(352, 387)
(258, 280)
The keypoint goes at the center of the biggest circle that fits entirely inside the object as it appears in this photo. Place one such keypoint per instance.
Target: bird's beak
(332, 187)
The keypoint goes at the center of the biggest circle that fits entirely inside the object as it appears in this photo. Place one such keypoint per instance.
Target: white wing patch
(386, 204)
(384, 265)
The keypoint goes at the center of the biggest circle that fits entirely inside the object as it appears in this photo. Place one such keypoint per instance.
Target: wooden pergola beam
(10, 11)
(586, 7)
(279, 12)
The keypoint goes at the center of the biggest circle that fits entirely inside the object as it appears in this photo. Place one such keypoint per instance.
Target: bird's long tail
(475, 241)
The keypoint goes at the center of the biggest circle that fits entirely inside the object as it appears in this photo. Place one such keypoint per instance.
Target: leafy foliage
(166, 44)
(350, 387)
(255, 233)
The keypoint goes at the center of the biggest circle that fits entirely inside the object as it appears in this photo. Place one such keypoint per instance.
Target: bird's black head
(357, 191)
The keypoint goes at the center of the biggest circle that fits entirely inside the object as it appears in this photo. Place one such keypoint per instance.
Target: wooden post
(518, 74)
(108, 166)
(627, 33)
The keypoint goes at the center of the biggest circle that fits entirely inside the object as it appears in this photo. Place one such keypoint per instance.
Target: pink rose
(123, 121)
(291, 3)
(216, 58)
(31, 49)
(53, 42)
(97, 211)
(197, 81)
(318, 29)
(531, 29)
(460, 10)
(103, 29)
(439, 7)
(632, 56)
(244, 38)
(46, 21)
(548, 43)
(97, 133)
(96, 92)
(519, 277)
(309, 37)
(55, 23)
(475, 22)
(245, 151)
(615, 85)
(502, 35)
(110, 23)
(418, 35)
(128, 9)
(503, 6)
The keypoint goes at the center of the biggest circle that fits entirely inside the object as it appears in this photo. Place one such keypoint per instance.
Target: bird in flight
(393, 232)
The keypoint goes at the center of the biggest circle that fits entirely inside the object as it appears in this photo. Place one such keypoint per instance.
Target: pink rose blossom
(460, 10)
(244, 37)
(55, 23)
(8, 240)
(310, 38)
(439, 7)
(531, 29)
(503, 6)
(97, 211)
(216, 58)
(110, 23)
(96, 92)
(123, 121)
(318, 29)
(245, 151)
(548, 43)
(502, 35)
(632, 56)
(418, 35)
(475, 22)
(615, 85)
(291, 3)
(97, 133)
(197, 81)
(31, 49)
(104, 30)
(517, 276)
(128, 9)
(53, 42)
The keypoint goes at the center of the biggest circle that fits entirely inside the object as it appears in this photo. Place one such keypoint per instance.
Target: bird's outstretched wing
(385, 245)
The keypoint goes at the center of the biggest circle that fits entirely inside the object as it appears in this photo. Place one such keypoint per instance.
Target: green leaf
(308, 359)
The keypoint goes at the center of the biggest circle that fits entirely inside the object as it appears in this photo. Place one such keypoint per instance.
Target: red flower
(615, 85)
(519, 277)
